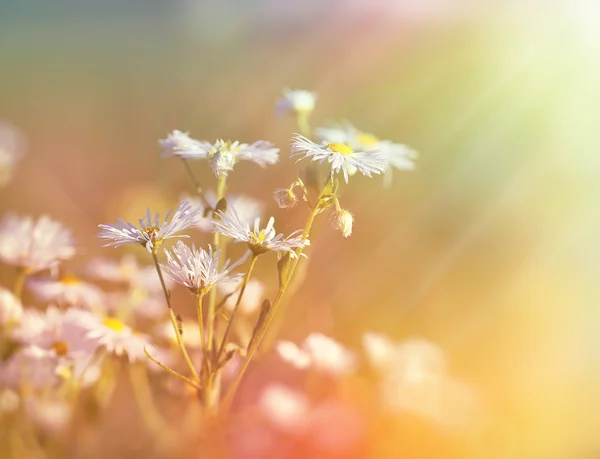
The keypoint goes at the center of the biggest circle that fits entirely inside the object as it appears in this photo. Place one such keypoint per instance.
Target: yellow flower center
(114, 324)
(340, 148)
(69, 279)
(151, 231)
(366, 139)
(60, 347)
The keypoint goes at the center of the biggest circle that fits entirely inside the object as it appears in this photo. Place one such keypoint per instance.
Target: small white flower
(12, 146)
(298, 100)
(320, 352)
(397, 155)
(253, 295)
(340, 156)
(181, 144)
(150, 234)
(196, 269)
(34, 245)
(30, 366)
(285, 198)
(259, 241)
(11, 309)
(67, 290)
(246, 207)
(285, 408)
(343, 220)
(118, 338)
(225, 154)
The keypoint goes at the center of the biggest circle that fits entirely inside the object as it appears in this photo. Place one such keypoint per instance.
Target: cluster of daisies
(75, 324)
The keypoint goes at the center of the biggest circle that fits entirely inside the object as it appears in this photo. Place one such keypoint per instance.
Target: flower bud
(343, 220)
(285, 197)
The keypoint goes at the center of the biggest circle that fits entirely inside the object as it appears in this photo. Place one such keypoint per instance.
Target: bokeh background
(489, 248)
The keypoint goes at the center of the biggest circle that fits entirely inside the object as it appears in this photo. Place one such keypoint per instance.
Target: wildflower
(196, 269)
(340, 156)
(246, 207)
(128, 271)
(34, 245)
(285, 408)
(181, 144)
(285, 197)
(259, 241)
(12, 146)
(117, 338)
(150, 234)
(320, 352)
(397, 155)
(298, 100)
(223, 155)
(11, 309)
(67, 290)
(30, 366)
(342, 220)
(253, 295)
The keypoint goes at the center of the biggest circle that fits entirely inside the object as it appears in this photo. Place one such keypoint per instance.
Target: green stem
(171, 371)
(260, 333)
(237, 304)
(178, 337)
(302, 120)
(20, 282)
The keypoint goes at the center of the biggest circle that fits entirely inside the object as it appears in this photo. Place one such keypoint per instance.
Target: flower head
(11, 309)
(180, 144)
(285, 408)
(11, 151)
(67, 290)
(197, 269)
(258, 240)
(223, 155)
(320, 352)
(397, 155)
(297, 100)
(340, 156)
(150, 234)
(34, 244)
(285, 197)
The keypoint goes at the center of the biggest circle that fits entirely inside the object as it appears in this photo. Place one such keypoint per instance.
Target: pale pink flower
(67, 290)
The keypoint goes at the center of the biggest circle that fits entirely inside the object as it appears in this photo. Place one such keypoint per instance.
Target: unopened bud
(285, 197)
(343, 220)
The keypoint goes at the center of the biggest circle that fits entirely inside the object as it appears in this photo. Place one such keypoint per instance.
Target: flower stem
(171, 371)
(260, 333)
(196, 183)
(20, 282)
(302, 120)
(237, 304)
(178, 337)
(143, 396)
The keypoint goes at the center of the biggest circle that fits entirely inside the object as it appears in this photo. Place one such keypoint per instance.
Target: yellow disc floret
(60, 347)
(69, 279)
(114, 324)
(340, 148)
(366, 139)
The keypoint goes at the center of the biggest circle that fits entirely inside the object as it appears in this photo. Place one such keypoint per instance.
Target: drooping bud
(343, 220)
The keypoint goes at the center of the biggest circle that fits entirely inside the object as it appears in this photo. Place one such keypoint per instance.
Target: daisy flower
(398, 156)
(150, 234)
(30, 366)
(34, 245)
(225, 154)
(11, 309)
(196, 269)
(258, 240)
(285, 408)
(340, 156)
(320, 352)
(246, 207)
(297, 100)
(67, 290)
(180, 144)
(118, 338)
(12, 145)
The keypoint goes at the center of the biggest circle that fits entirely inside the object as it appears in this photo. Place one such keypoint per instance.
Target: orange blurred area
(488, 249)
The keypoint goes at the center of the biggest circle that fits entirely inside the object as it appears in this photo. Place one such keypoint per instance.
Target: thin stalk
(260, 333)
(178, 337)
(302, 120)
(212, 298)
(143, 396)
(19, 282)
(196, 182)
(237, 304)
(171, 371)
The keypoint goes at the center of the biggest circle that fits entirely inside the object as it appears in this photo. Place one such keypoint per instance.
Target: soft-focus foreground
(394, 257)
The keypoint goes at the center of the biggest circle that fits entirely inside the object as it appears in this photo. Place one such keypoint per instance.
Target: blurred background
(489, 248)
